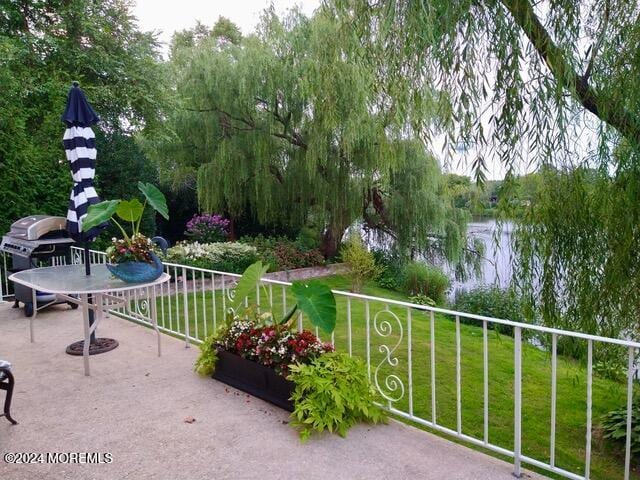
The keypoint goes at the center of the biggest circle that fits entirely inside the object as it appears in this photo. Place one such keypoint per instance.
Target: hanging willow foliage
(289, 126)
(518, 76)
(554, 84)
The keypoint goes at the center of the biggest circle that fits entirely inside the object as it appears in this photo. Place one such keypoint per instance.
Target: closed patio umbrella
(80, 149)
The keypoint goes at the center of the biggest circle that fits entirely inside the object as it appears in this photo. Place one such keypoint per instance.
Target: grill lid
(35, 233)
(35, 227)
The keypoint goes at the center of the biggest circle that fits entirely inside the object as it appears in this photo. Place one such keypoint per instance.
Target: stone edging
(309, 272)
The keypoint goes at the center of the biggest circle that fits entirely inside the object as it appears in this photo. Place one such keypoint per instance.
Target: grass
(606, 462)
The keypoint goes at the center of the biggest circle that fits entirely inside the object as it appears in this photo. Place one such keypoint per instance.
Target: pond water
(496, 267)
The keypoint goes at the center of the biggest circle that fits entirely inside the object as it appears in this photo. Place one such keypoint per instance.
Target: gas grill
(36, 241)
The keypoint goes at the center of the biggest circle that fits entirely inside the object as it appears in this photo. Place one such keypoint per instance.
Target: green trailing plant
(361, 262)
(333, 393)
(206, 362)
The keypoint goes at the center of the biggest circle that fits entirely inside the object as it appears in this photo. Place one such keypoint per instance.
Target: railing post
(433, 368)
(367, 316)
(458, 379)
(410, 361)
(485, 382)
(627, 448)
(554, 374)
(185, 307)
(517, 394)
(587, 454)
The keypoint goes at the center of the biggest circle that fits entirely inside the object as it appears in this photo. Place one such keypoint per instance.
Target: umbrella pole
(101, 345)
(87, 271)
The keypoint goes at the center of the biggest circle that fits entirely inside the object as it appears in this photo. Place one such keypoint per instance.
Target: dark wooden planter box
(253, 378)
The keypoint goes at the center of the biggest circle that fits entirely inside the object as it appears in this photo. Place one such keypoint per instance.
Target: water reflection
(496, 266)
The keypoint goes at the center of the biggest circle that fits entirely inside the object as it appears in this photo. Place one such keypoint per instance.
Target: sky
(167, 16)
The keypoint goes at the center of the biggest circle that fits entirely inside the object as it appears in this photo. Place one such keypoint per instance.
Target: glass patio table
(69, 282)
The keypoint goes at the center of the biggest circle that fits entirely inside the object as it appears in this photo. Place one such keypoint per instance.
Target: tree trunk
(331, 239)
(232, 229)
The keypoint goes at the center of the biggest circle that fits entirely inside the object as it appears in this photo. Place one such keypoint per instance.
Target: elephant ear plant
(331, 391)
(134, 247)
(313, 298)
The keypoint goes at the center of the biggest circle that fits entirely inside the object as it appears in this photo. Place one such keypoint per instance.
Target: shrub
(390, 265)
(361, 262)
(614, 426)
(490, 302)
(226, 257)
(281, 253)
(332, 393)
(421, 299)
(422, 279)
(208, 228)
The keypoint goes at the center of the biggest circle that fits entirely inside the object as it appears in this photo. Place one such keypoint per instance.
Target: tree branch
(294, 137)
(613, 114)
(598, 43)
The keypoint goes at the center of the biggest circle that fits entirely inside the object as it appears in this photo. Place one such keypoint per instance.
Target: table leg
(98, 313)
(34, 300)
(87, 335)
(154, 317)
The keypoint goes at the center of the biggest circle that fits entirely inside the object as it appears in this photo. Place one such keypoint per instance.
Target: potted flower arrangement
(266, 357)
(131, 258)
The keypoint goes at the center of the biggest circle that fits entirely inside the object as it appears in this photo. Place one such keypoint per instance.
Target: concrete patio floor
(135, 404)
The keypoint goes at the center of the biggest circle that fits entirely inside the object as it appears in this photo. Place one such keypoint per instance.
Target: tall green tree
(534, 81)
(288, 126)
(44, 45)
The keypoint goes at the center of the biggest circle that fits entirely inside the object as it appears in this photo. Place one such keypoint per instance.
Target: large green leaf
(250, 278)
(155, 198)
(99, 213)
(316, 300)
(130, 210)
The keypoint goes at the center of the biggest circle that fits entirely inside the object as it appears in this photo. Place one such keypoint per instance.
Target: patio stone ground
(134, 407)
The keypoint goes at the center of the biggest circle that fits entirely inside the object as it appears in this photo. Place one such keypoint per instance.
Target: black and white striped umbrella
(80, 148)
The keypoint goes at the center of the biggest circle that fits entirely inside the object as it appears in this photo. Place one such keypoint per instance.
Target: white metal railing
(397, 335)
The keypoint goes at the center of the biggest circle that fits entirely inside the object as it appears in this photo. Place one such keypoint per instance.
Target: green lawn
(536, 375)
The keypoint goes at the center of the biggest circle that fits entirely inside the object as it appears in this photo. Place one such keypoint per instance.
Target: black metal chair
(6, 383)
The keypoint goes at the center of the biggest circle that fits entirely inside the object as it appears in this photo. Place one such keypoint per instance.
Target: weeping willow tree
(288, 128)
(552, 84)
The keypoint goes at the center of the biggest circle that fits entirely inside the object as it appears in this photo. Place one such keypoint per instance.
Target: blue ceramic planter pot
(137, 272)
